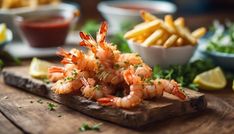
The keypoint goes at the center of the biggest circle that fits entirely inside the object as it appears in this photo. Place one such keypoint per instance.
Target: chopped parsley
(39, 101)
(116, 66)
(46, 81)
(72, 77)
(149, 81)
(159, 82)
(88, 127)
(51, 106)
(126, 62)
(97, 87)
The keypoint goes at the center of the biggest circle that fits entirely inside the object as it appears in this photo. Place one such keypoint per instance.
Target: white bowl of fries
(163, 42)
(121, 12)
(157, 55)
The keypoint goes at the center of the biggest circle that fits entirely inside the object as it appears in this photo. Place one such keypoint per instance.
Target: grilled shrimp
(70, 83)
(170, 86)
(56, 73)
(143, 70)
(78, 58)
(155, 88)
(95, 91)
(106, 53)
(110, 76)
(135, 95)
(128, 59)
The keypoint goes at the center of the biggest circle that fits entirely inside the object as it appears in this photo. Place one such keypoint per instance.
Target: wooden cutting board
(149, 111)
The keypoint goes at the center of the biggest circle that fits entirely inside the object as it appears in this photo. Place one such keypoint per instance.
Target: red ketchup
(48, 31)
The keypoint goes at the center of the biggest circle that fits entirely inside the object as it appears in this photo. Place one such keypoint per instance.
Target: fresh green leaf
(1, 64)
(51, 106)
(7, 59)
(87, 127)
(40, 101)
(91, 27)
(122, 45)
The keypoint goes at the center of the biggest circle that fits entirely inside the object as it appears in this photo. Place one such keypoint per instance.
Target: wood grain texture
(35, 118)
(6, 126)
(146, 113)
(31, 113)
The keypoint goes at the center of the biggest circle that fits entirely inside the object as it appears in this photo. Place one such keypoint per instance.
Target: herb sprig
(51, 106)
(89, 127)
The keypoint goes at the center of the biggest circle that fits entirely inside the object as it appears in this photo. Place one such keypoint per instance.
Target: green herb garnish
(116, 66)
(46, 81)
(97, 87)
(183, 74)
(51, 106)
(88, 127)
(91, 27)
(39, 101)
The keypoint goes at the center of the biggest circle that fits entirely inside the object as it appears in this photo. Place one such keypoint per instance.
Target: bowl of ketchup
(45, 28)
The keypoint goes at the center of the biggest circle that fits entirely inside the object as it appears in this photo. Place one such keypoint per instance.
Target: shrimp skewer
(135, 95)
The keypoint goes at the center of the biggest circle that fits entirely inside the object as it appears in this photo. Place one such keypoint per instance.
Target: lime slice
(3, 30)
(39, 68)
(233, 85)
(213, 79)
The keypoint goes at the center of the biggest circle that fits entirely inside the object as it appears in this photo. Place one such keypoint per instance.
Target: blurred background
(197, 11)
(24, 19)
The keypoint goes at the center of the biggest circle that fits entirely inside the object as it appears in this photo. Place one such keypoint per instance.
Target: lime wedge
(3, 30)
(233, 85)
(213, 79)
(39, 68)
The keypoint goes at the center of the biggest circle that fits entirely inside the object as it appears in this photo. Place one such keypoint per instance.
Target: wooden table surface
(22, 112)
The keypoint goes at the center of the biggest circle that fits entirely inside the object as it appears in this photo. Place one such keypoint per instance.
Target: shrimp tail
(106, 101)
(55, 69)
(180, 94)
(177, 90)
(88, 42)
(101, 36)
(65, 61)
(84, 81)
(130, 77)
(63, 53)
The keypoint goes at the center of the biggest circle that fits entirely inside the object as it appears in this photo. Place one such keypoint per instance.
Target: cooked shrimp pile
(106, 75)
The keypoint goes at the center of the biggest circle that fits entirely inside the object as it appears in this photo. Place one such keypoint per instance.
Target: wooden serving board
(148, 112)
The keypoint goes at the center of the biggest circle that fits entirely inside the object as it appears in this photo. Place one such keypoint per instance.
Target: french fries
(199, 32)
(166, 33)
(153, 37)
(9, 4)
(145, 28)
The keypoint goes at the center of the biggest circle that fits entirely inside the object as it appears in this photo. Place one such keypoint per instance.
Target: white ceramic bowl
(7, 16)
(117, 15)
(156, 55)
